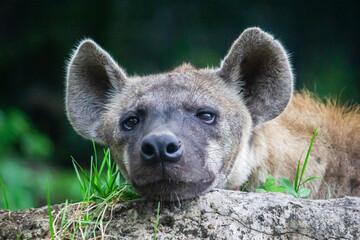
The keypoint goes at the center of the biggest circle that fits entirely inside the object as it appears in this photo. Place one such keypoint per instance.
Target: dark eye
(206, 117)
(130, 123)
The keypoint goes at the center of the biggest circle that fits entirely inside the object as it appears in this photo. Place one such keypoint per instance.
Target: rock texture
(219, 214)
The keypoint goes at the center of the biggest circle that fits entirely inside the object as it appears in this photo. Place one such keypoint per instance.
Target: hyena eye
(206, 117)
(130, 123)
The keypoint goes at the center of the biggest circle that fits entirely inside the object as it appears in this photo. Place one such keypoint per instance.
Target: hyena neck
(259, 150)
(244, 164)
(249, 168)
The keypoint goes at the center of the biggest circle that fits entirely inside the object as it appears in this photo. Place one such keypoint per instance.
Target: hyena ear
(258, 66)
(92, 75)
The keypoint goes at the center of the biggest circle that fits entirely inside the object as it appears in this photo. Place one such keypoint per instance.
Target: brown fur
(336, 151)
(258, 126)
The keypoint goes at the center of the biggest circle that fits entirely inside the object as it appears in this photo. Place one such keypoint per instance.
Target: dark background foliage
(37, 37)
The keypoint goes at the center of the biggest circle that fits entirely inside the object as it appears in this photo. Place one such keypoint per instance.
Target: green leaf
(260, 189)
(304, 192)
(294, 194)
(280, 189)
(286, 183)
(289, 187)
(270, 182)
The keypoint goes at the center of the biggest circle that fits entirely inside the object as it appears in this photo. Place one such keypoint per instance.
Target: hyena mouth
(165, 167)
(170, 190)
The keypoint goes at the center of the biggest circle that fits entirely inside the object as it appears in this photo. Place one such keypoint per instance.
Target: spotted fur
(260, 126)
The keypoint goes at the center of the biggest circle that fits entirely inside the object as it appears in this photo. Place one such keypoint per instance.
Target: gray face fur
(178, 134)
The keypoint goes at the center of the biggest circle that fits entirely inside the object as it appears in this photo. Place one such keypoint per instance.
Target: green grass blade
(243, 189)
(95, 154)
(109, 167)
(96, 173)
(95, 180)
(102, 181)
(91, 174)
(50, 215)
(84, 222)
(312, 178)
(81, 181)
(76, 166)
(97, 189)
(157, 220)
(114, 165)
(6, 200)
(114, 179)
(103, 162)
(307, 155)
(296, 184)
(63, 219)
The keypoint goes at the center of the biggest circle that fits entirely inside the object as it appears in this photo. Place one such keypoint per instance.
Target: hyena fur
(181, 133)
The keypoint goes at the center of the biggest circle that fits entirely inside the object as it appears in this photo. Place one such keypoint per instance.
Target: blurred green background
(37, 37)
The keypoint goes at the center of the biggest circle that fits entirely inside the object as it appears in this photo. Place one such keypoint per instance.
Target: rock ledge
(219, 214)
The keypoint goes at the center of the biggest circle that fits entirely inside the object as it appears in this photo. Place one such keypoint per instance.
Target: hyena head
(178, 134)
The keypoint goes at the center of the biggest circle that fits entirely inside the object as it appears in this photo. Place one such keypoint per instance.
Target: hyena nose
(161, 148)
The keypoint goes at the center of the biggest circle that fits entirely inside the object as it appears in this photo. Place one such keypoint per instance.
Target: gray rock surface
(219, 214)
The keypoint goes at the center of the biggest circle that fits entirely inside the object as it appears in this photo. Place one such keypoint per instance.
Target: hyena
(181, 133)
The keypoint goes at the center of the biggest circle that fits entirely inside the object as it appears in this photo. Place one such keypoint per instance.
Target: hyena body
(178, 134)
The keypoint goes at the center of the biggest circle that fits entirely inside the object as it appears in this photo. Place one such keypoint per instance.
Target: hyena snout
(161, 148)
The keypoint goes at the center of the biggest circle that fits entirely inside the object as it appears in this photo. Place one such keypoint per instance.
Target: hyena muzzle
(181, 133)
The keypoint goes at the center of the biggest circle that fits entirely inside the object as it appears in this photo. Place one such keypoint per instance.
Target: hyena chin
(179, 134)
